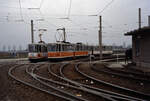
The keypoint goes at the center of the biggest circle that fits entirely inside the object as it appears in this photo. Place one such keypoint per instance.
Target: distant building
(141, 46)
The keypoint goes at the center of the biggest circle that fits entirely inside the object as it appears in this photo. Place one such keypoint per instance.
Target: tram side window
(73, 47)
(44, 48)
(51, 47)
(77, 47)
(70, 48)
(58, 47)
(83, 47)
(64, 48)
(86, 47)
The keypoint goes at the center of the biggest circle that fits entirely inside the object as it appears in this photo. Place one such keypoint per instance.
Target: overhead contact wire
(41, 3)
(69, 10)
(20, 10)
(106, 7)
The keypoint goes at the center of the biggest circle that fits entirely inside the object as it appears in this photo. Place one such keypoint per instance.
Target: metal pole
(32, 32)
(64, 34)
(100, 37)
(149, 21)
(139, 18)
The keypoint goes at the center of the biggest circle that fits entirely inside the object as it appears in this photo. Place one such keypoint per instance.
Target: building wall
(133, 50)
(143, 58)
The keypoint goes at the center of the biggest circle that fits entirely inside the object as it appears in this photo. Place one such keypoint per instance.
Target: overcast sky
(118, 18)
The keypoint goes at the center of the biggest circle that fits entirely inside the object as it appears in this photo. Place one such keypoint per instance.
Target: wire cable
(41, 4)
(106, 7)
(20, 10)
(11, 7)
(69, 10)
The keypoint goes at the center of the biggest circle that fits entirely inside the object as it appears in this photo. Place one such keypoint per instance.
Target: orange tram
(57, 51)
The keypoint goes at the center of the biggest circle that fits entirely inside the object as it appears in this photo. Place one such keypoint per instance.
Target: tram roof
(60, 42)
(37, 44)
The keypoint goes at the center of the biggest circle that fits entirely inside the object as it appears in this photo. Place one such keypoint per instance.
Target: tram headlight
(38, 55)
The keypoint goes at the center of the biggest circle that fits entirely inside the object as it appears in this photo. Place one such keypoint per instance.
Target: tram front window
(33, 48)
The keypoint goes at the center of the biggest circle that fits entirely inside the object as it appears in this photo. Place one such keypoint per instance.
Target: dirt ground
(11, 90)
(5, 84)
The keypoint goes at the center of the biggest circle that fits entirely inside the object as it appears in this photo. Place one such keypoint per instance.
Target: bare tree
(9, 48)
(4, 48)
(20, 48)
(14, 48)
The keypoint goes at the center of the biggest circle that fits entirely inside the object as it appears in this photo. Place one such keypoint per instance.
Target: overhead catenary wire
(87, 15)
(11, 7)
(41, 3)
(69, 10)
(105, 7)
(42, 16)
(20, 10)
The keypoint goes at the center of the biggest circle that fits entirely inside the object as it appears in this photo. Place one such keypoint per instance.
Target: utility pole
(139, 18)
(100, 37)
(32, 32)
(149, 20)
(64, 33)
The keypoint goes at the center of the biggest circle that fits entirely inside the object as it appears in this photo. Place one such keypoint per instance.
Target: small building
(140, 46)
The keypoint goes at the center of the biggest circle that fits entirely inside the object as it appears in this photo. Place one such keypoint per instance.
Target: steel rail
(121, 75)
(38, 78)
(33, 86)
(100, 91)
(130, 73)
(106, 92)
(75, 86)
(80, 85)
(113, 85)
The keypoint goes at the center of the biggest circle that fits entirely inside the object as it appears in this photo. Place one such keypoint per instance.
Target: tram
(37, 52)
(62, 50)
(56, 51)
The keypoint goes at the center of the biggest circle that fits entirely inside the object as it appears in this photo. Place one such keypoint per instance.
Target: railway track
(59, 73)
(71, 91)
(134, 93)
(53, 80)
(130, 75)
(132, 71)
(28, 81)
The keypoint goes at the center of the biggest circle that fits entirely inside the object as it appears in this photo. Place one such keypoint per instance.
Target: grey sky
(121, 16)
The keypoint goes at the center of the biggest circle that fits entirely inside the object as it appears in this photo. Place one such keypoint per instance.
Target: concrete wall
(144, 54)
